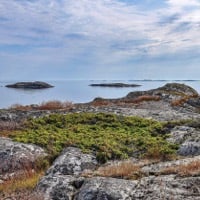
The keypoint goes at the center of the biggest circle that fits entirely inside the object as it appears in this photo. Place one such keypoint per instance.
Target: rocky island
(145, 145)
(118, 85)
(30, 85)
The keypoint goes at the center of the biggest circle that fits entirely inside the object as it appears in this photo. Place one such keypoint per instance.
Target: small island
(30, 85)
(114, 85)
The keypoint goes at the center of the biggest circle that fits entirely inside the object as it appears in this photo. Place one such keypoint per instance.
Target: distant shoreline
(116, 85)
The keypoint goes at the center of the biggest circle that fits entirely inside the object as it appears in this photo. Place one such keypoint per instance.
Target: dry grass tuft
(97, 103)
(21, 188)
(181, 101)
(9, 125)
(124, 170)
(104, 102)
(20, 107)
(49, 105)
(55, 105)
(143, 98)
(191, 169)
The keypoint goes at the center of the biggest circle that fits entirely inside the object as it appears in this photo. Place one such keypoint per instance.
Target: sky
(99, 39)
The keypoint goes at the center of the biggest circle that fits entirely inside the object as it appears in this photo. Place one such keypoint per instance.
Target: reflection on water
(76, 91)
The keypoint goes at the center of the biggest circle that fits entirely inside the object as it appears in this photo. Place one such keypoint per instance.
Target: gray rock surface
(188, 138)
(72, 162)
(16, 157)
(155, 169)
(148, 188)
(62, 178)
(100, 188)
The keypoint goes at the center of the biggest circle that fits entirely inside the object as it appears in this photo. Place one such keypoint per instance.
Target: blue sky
(99, 39)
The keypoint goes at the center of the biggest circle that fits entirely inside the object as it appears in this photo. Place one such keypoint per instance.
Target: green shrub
(109, 136)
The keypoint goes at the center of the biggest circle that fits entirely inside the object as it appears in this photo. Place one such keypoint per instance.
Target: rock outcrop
(152, 188)
(62, 178)
(188, 139)
(63, 182)
(30, 85)
(118, 85)
(16, 157)
(167, 92)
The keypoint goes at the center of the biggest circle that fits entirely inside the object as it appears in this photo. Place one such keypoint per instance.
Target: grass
(49, 105)
(104, 102)
(182, 100)
(125, 170)
(109, 136)
(21, 187)
(143, 98)
(190, 169)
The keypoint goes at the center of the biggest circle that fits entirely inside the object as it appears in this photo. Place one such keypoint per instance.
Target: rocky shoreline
(74, 174)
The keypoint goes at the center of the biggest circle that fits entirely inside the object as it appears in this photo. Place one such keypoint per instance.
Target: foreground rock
(30, 85)
(64, 181)
(114, 85)
(188, 139)
(61, 180)
(152, 188)
(17, 157)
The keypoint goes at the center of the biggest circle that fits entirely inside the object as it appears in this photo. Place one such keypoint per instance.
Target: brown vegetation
(21, 188)
(9, 126)
(21, 185)
(142, 98)
(182, 100)
(122, 170)
(49, 105)
(104, 102)
(191, 169)
(55, 105)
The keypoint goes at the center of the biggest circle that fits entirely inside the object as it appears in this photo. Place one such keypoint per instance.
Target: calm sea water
(75, 91)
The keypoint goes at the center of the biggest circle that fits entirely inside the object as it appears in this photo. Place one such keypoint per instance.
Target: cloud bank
(97, 39)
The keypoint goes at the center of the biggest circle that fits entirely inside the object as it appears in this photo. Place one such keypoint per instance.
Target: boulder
(100, 188)
(72, 162)
(30, 85)
(16, 157)
(62, 178)
(188, 139)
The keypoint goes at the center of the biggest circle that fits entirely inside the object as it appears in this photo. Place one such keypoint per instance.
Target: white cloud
(107, 28)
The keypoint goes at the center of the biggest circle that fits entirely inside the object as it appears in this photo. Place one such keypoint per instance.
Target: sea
(78, 91)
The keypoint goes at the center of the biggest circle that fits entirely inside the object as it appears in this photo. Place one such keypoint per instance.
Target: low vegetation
(49, 105)
(125, 170)
(21, 188)
(182, 100)
(109, 136)
(105, 102)
(190, 169)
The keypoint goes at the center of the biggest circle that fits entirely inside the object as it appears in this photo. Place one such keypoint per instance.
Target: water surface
(76, 91)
